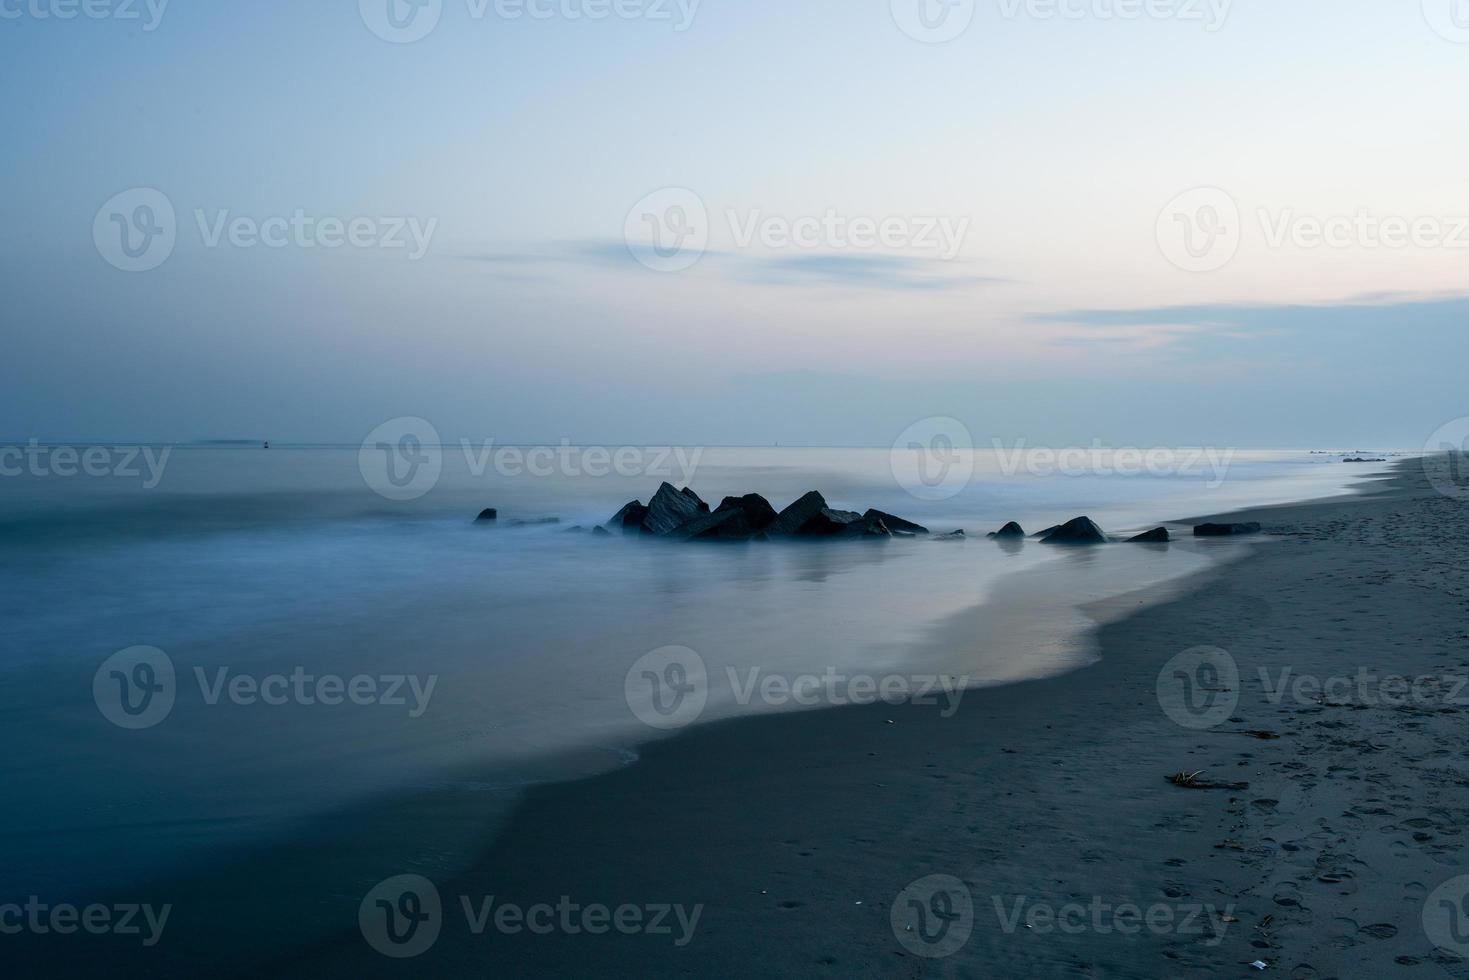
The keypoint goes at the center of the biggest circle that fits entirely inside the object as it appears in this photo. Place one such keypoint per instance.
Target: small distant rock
(1080, 530)
(1360, 459)
(534, 521)
(488, 514)
(1158, 535)
(1225, 530)
(951, 536)
(602, 531)
(1011, 530)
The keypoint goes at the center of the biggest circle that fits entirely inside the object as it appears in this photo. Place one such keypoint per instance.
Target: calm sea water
(285, 562)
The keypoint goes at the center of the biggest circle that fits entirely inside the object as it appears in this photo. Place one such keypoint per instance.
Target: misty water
(254, 563)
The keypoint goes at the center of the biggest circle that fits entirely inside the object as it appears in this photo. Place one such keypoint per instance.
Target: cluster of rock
(1080, 530)
(680, 515)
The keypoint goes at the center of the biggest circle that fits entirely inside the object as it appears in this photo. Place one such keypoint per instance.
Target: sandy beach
(780, 845)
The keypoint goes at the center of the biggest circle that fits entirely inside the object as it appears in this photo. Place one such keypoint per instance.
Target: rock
(951, 536)
(1158, 535)
(670, 509)
(796, 516)
(894, 523)
(688, 492)
(488, 514)
(1047, 532)
(534, 521)
(1225, 530)
(1080, 530)
(1011, 530)
(731, 524)
(757, 514)
(1360, 459)
(629, 520)
(599, 529)
(575, 529)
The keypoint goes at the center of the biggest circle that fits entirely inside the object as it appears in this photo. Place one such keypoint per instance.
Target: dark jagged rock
(629, 520)
(1225, 530)
(757, 510)
(487, 515)
(729, 524)
(1011, 530)
(796, 516)
(1047, 532)
(951, 536)
(1158, 535)
(688, 492)
(1080, 530)
(894, 523)
(670, 509)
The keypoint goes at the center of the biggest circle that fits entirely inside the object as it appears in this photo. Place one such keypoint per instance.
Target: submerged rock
(1011, 530)
(1225, 530)
(1080, 530)
(1158, 535)
(951, 536)
(488, 514)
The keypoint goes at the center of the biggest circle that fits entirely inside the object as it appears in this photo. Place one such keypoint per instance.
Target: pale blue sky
(1056, 143)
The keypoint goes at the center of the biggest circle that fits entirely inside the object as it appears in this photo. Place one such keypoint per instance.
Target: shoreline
(795, 832)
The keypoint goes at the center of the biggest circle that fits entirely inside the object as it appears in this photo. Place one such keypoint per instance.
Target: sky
(1139, 222)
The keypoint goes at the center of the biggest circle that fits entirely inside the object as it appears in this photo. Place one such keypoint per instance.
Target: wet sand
(795, 834)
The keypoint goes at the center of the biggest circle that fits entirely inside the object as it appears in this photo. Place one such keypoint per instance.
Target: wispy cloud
(900, 272)
(1364, 326)
(815, 269)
